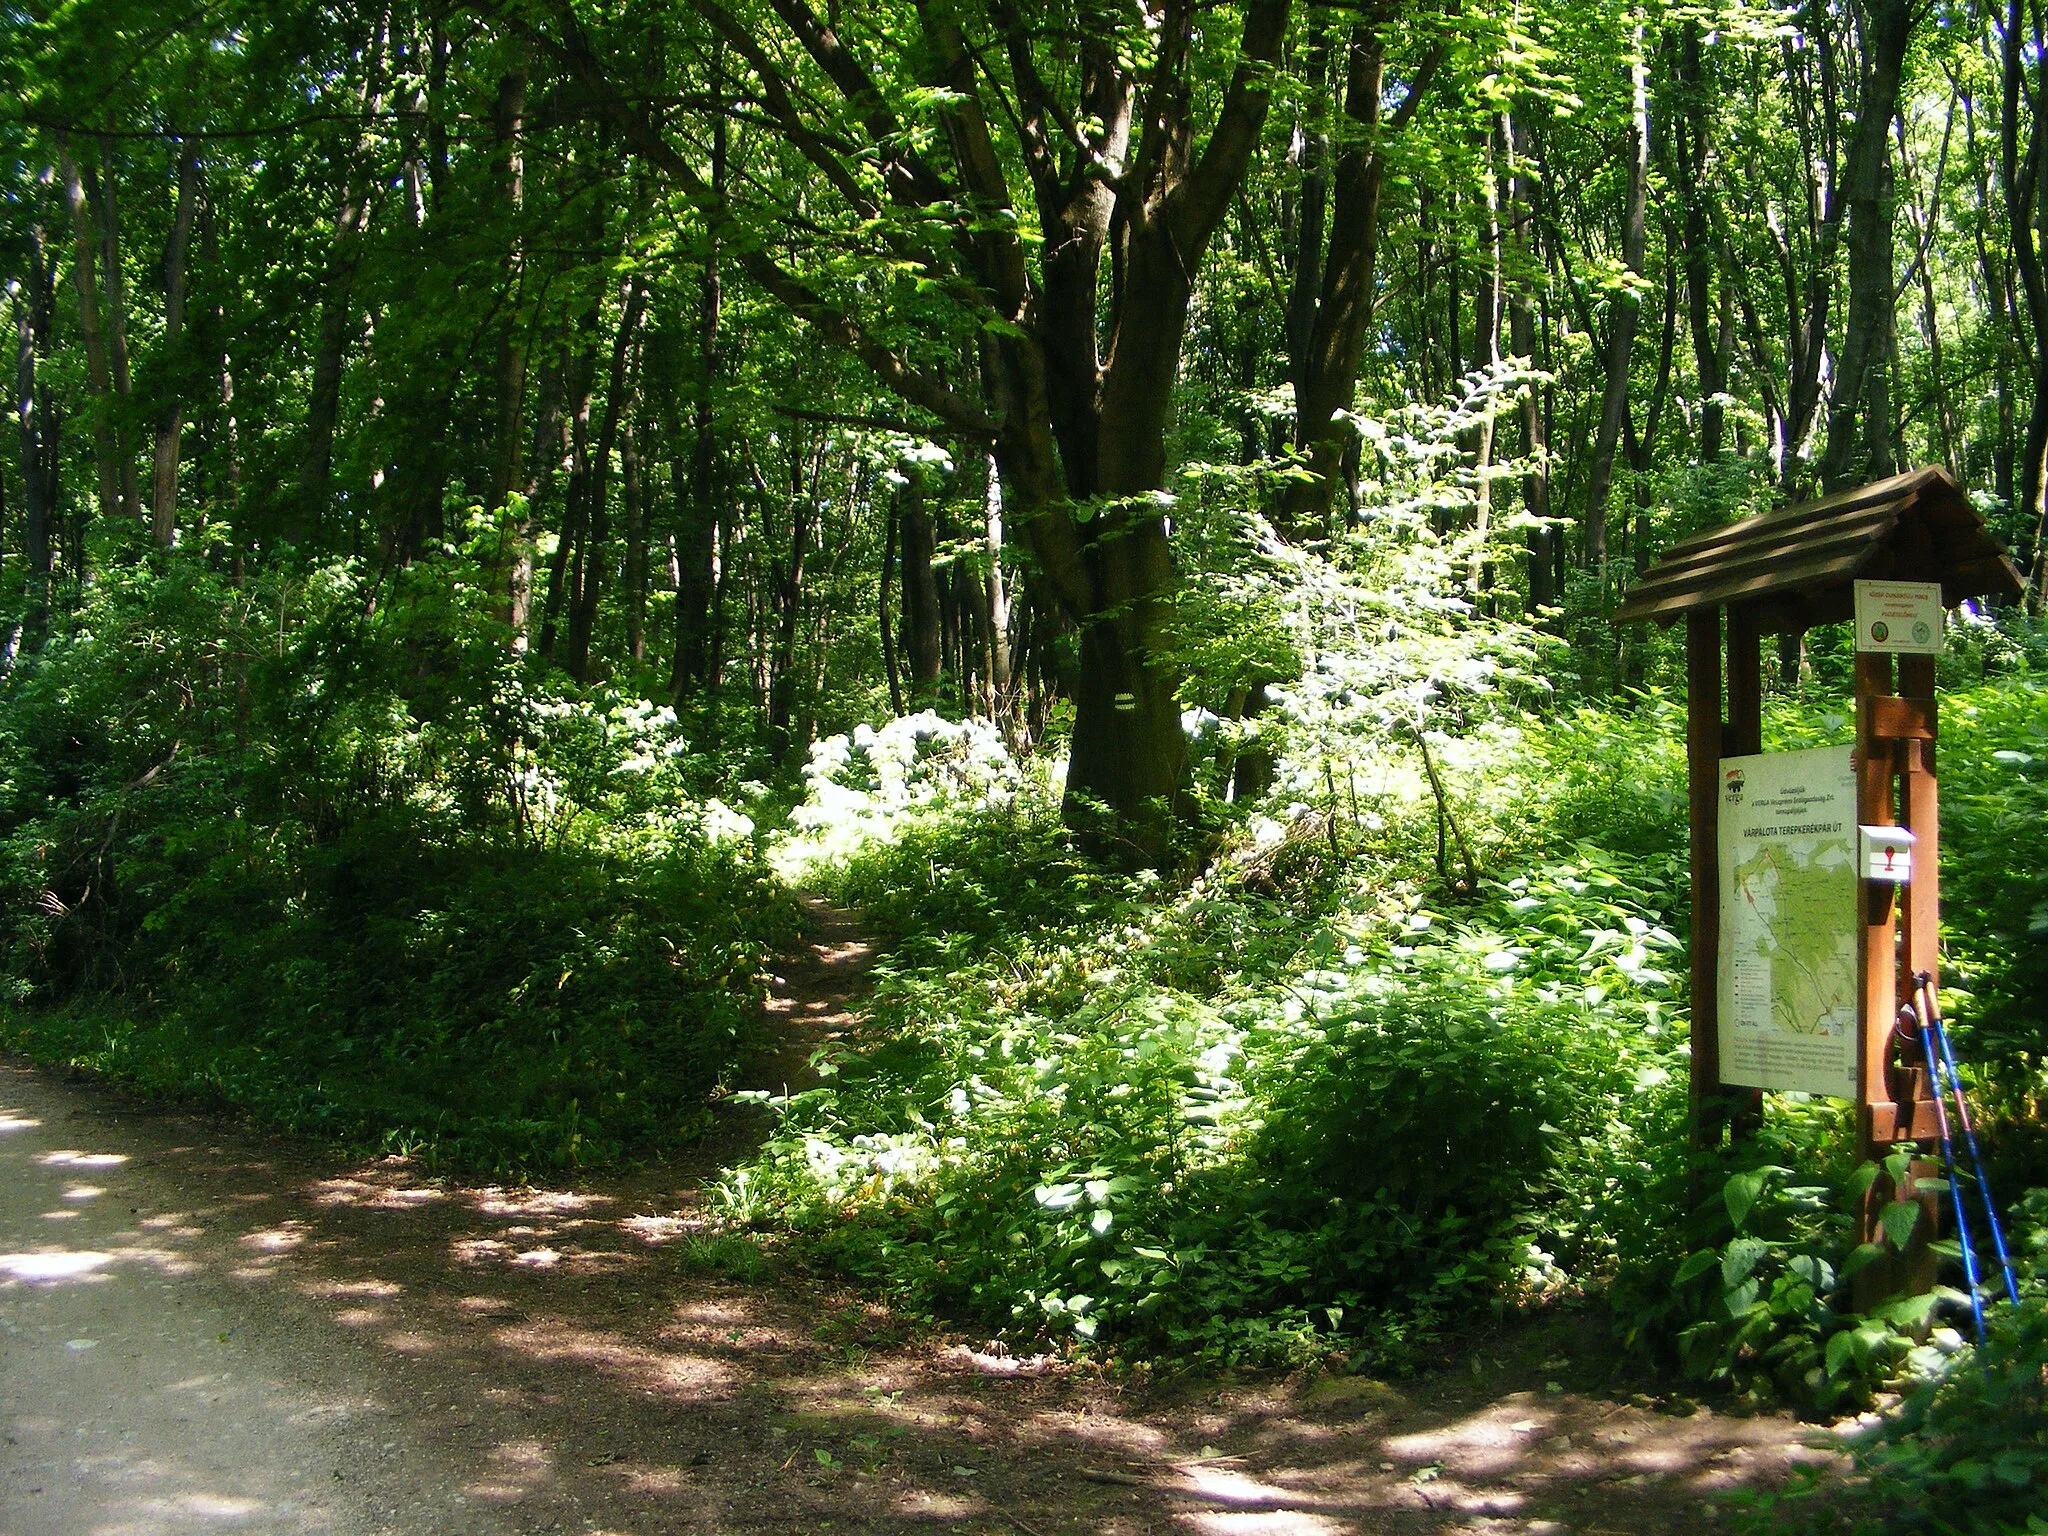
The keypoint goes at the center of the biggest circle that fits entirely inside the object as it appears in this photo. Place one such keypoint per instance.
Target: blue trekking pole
(1931, 1013)
(1948, 1162)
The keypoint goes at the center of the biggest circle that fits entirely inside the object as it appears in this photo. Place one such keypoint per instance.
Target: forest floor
(203, 1329)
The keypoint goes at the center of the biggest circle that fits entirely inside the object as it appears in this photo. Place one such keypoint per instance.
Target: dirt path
(202, 1330)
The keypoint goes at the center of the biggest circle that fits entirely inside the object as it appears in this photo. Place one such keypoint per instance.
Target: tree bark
(1331, 302)
(922, 643)
(106, 448)
(890, 670)
(508, 161)
(633, 578)
(1691, 147)
(1523, 275)
(1860, 407)
(170, 425)
(1623, 313)
(2024, 211)
(593, 555)
(338, 316)
(38, 434)
(697, 511)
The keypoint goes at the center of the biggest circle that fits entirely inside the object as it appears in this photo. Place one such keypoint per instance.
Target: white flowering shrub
(861, 788)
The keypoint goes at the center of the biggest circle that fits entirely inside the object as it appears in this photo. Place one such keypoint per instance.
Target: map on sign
(1788, 988)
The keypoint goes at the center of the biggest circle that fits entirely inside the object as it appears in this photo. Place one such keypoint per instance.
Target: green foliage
(1966, 1450)
(1293, 1105)
(325, 853)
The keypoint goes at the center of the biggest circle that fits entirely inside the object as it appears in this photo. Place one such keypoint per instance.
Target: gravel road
(150, 1384)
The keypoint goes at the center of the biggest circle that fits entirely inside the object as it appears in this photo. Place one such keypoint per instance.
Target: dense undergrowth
(319, 850)
(1334, 1095)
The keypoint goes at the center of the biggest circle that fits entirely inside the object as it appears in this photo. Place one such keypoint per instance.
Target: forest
(502, 499)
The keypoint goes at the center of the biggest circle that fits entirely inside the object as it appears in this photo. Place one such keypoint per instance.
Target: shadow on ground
(584, 1356)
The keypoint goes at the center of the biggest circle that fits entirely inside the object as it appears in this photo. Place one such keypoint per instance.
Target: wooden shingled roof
(1794, 567)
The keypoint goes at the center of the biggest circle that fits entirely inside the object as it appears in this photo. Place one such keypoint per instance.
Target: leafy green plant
(331, 856)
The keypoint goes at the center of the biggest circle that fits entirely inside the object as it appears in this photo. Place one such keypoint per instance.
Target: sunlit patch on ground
(48, 1268)
(72, 1159)
(632, 1364)
(493, 1201)
(12, 1121)
(333, 1288)
(375, 1195)
(278, 1239)
(512, 1470)
(655, 1230)
(1277, 1522)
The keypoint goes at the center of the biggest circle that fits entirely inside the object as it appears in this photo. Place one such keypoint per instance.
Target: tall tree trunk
(338, 314)
(803, 509)
(696, 502)
(106, 447)
(1623, 313)
(1924, 222)
(1691, 143)
(33, 307)
(634, 576)
(588, 587)
(1994, 285)
(1486, 341)
(115, 282)
(1860, 406)
(1525, 272)
(1331, 301)
(2024, 212)
(170, 424)
(922, 643)
(508, 163)
(890, 670)
(1001, 678)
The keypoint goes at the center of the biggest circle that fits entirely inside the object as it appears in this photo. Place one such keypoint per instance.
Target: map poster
(1788, 993)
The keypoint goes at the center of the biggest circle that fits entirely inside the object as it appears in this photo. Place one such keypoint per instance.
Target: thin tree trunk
(1001, 689)
(1623, 315)
(1486, 340)
(1522, 278)
(634, 576)
(589, 584)
(115, 282)
(508, 125)
(697, 510)
(922, 642)
(170, 426)
(337, 311)
(889, 667)
(1691, 147)
(1859, 409)
(106, 449)
(33, 306)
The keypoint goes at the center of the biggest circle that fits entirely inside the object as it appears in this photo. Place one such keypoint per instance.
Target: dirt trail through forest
(206, 1330)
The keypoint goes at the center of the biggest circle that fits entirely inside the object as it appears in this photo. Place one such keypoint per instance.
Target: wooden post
(1884, 739)
(1703, 772)
(1742, 736)
(1877, 962)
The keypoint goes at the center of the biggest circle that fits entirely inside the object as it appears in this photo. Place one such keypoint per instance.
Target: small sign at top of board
(1899, 617)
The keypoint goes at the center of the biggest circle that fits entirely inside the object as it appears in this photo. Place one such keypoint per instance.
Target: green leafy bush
(1289, 1106)
(325, 853)
(1965, 1450)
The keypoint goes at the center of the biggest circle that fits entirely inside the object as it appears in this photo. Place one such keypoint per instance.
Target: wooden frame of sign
(1782, 574)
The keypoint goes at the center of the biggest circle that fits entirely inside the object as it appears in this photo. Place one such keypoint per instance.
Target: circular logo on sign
(1921, 633)
(1880, 631)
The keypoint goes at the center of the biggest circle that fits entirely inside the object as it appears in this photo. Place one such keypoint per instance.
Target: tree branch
(574, 50)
